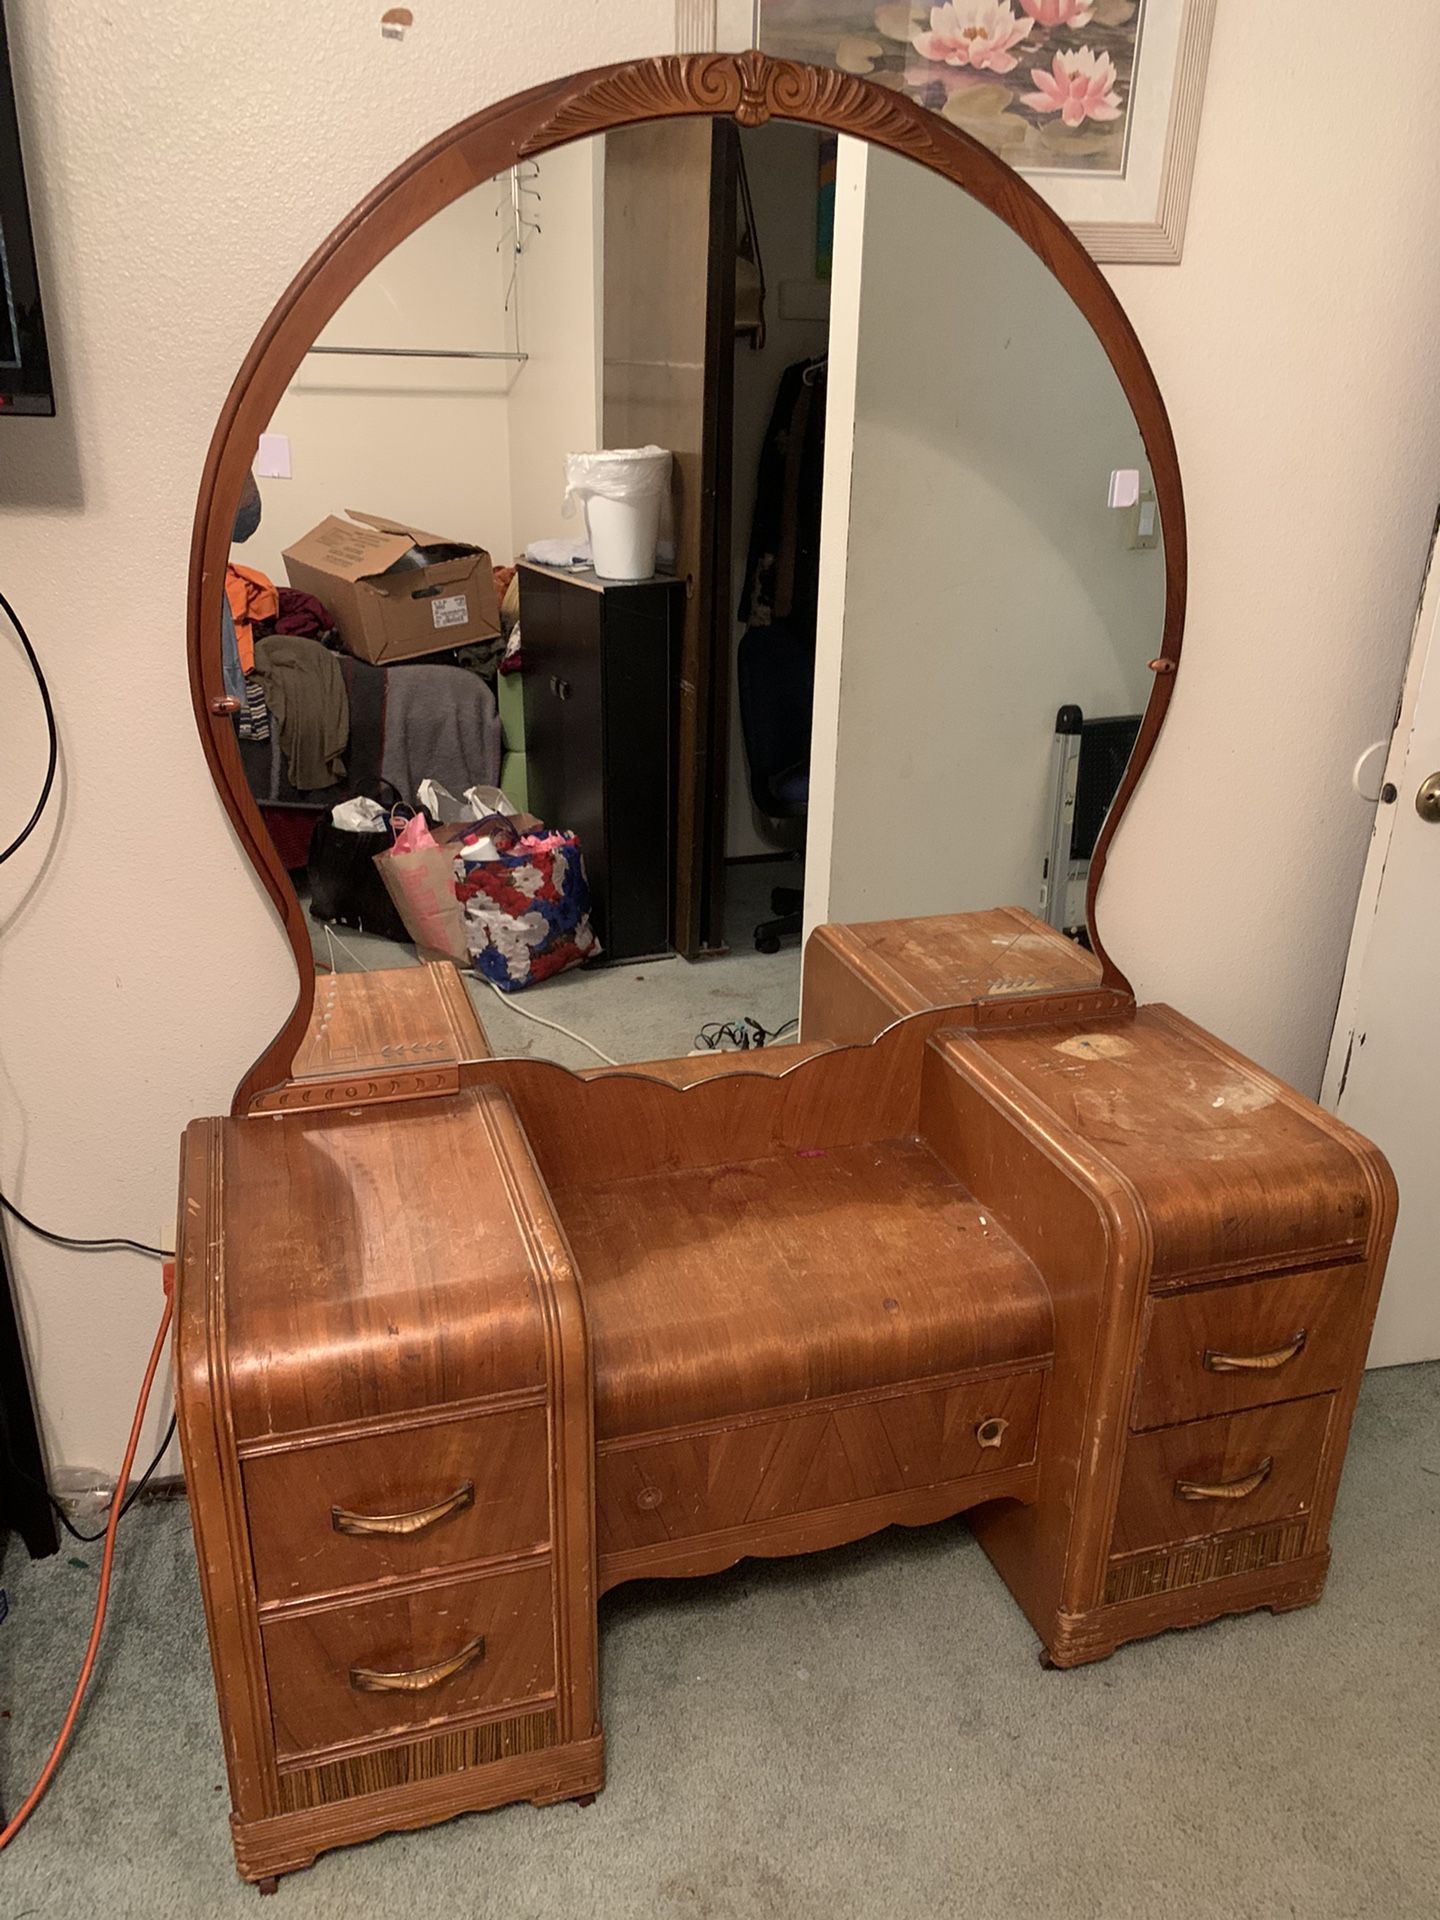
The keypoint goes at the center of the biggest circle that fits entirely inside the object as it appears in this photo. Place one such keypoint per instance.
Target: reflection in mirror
(887, 657)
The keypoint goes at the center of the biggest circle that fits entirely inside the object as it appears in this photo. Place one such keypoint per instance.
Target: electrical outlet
(272, 457)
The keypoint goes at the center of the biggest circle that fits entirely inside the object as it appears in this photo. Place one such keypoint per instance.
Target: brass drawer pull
(416, 1522)
(366, 1680)
(1217, 1362)
(1224, 1489)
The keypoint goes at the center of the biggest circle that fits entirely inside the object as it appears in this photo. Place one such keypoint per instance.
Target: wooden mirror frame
(752, 88)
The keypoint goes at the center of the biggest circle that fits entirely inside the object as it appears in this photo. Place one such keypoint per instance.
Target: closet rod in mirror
(425, 353)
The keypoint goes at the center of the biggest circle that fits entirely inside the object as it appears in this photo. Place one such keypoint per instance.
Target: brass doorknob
(1427, 800)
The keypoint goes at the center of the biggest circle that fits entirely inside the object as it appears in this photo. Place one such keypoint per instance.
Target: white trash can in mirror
(621, 491)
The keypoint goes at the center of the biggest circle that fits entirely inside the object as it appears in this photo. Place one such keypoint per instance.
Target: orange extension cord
(103, 1596)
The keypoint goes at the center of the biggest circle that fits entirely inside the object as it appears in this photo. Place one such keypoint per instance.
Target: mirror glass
(867, 639)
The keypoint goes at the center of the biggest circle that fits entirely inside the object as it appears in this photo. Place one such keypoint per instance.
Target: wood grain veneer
(1169, 1105)
(312, 1652)
(1274, 1452)
(396, 1033)
(485, 1458)
(858, 979)
(365, 1311)
(813, 1475)
(725, 1290)
(1277, 1338)
(647, 1324)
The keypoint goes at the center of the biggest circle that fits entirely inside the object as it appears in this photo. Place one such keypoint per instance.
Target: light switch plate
(1124, 487)
(272, 458)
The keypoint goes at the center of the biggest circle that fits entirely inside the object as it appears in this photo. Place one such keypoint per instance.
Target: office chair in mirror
(905, 520)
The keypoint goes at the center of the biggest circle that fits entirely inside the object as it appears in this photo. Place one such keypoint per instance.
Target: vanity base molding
(287, 1842)
(1081, 1639)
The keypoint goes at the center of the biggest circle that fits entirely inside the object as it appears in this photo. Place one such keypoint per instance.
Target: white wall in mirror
(973, 578)
(471, 449)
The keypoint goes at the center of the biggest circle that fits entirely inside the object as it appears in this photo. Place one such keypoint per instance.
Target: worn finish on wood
(314, 1654)
(395, 1034)
(730, 1289)
(812, 1476)
(357, 1512)
(1169, 1105)
(1257, 1467)
(1213, 1349)
(448, 1368)
(751, 88)
(635, 1121)
(384, 1392)
(331, 1261)
(860, 978)
(1180, 1202)
(394, 1016)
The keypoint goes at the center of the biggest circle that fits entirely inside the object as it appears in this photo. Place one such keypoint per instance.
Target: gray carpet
(863, 1733)
(649, 1011)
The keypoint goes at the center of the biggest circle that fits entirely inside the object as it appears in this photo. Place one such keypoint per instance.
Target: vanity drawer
(392, 1505)
(1262, 1465)
(1248, 1343)
(407, 1661)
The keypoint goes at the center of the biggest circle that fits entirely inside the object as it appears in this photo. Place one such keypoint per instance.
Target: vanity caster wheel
(1046, 1661)
(270, 1885)
(584, 1800)
(766, 943)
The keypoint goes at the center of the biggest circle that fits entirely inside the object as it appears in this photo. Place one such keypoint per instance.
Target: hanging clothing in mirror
(782, 575)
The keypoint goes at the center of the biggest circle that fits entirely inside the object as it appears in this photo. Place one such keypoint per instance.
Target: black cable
(134, 1494)
(49, 781)
(743, 1034)
(72, 1240)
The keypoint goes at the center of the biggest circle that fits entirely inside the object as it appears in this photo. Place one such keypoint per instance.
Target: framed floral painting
(1097, 102)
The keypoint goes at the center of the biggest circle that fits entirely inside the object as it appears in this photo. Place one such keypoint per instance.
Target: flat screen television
(25, 385)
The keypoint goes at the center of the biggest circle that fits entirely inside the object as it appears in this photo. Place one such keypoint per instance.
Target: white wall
(472, 449)
(978, 581)
(1295, 347)
(140, 968)
(185, 157)
(423, 441)
(554, 405)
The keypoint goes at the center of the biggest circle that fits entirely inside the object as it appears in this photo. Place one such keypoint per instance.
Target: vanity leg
(583, 1800)
(270, 1884)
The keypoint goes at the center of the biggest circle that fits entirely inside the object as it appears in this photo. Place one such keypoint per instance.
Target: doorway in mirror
(885, 563)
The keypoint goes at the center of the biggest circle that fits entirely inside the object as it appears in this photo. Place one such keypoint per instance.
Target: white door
(1383, 1076)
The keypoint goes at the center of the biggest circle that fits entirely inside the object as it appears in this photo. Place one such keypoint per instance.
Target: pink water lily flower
(973, 33)
(1060, 13)
(1079, 86)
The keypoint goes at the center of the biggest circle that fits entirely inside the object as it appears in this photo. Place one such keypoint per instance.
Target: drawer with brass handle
(1241, 1470)
(348, 1513)
(409, 1659)
(1213, 1349)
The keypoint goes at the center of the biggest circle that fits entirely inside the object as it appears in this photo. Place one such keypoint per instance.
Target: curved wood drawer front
(1257, 1466)
(1248, 1344)
(728, 1478)
(441, 1653)
(394, 1505)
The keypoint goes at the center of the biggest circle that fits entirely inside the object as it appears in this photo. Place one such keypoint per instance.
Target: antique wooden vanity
(465, 1341)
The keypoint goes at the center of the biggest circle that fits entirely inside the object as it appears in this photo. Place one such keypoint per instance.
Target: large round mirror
(870, 636)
